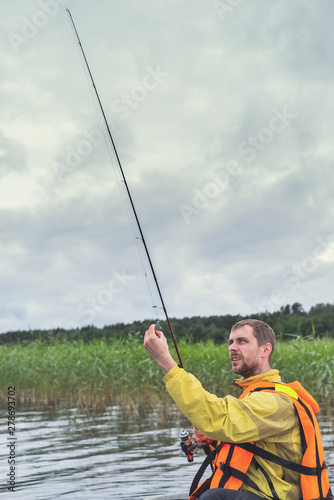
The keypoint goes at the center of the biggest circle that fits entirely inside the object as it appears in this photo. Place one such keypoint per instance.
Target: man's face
(245, 353)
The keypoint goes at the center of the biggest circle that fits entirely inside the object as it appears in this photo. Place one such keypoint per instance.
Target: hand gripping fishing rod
(127, 187)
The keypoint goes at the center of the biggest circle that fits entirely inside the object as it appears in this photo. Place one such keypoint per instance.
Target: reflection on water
(68, 456)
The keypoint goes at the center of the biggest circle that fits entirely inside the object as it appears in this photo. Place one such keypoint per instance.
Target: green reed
(103, 373)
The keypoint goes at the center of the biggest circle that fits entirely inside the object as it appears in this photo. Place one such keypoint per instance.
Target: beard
(246, 368)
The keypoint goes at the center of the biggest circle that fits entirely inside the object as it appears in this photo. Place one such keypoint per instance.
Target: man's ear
(267, 349)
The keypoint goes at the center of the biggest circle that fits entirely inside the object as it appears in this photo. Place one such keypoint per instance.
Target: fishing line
(119, 181)
(126, 187)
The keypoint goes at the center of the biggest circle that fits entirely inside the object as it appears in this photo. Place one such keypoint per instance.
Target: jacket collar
(270, 376)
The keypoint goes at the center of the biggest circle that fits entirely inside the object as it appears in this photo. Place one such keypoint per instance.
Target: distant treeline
(290, 321)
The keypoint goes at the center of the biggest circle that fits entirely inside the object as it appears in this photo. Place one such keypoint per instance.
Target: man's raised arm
(155, 344)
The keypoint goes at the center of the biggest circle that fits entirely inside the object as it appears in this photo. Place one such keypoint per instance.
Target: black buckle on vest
(224, 467)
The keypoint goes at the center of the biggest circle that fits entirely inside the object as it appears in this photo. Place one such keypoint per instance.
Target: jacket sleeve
(262, 415)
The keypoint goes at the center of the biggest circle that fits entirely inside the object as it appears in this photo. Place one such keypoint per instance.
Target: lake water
(65, 455)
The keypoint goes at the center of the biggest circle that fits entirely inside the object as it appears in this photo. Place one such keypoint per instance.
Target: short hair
(262, 332)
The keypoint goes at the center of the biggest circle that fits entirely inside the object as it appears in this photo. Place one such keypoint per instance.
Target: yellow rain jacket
(267, 418)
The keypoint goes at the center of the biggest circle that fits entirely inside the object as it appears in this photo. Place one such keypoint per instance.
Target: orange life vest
(230, 462)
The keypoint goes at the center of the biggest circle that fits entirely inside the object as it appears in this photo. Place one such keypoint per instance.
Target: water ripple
(68, 456)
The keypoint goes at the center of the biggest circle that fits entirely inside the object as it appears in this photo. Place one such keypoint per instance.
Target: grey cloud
(64, 236)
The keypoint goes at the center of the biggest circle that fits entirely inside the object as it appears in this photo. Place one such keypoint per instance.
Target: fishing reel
(191, 446)
(188, 445)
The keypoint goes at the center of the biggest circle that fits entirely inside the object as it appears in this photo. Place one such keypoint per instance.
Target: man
(264, 436)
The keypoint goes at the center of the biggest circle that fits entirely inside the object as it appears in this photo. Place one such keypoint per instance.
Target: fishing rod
(127, 189)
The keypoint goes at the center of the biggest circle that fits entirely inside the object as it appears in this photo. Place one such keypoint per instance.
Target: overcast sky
(222, 115)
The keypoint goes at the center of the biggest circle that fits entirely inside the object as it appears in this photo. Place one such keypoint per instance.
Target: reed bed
(119, 372)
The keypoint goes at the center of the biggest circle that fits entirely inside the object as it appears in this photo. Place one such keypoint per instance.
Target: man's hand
(155, 344)
(200, 439)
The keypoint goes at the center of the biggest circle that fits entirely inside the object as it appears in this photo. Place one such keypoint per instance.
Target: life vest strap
(287, 464)
(225, 467)
(230, 476)
(208, 459)
(247, 480)
(268, 479)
